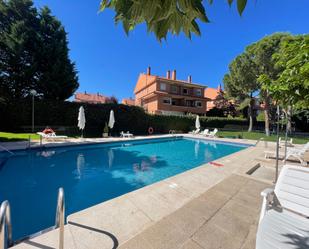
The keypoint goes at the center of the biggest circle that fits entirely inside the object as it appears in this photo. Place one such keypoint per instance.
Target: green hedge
(62, 116)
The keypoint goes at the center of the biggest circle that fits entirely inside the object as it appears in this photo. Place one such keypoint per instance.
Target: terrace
(200, 208)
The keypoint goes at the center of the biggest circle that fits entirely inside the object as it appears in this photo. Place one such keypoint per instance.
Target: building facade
(211, 94)
(169, 96)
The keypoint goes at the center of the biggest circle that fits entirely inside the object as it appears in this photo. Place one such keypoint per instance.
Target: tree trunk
(251, 114)
(266, 114)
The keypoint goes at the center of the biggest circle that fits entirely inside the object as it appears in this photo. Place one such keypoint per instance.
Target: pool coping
(17, 146)
(197, 175)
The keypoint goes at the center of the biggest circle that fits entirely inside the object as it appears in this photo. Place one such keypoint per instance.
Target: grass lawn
(258, 135)
(13, 137)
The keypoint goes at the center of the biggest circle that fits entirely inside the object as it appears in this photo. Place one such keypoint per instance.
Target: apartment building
(168, 95)
(211, 94)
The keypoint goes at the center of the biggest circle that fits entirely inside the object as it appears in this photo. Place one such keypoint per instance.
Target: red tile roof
(128, 101)
(211, 93)
(91, 98)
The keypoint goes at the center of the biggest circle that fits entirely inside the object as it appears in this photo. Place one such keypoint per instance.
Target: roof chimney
(219, 88)
(149, 70)
(85, 92)
(168, 74)
(190, 79)
(174, 75)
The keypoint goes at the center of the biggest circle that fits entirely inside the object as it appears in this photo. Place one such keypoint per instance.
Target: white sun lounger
(51, 136)
(297, 153)
(205, 132)
(289, 142)
(195, 132)
(127, 134)
(284, 216)
(212, 133)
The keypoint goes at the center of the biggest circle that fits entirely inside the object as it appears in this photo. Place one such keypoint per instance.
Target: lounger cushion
(283, 230)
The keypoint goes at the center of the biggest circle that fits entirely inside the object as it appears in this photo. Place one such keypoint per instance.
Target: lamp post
(33, 93)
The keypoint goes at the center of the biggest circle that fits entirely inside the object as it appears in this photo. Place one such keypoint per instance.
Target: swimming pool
(91, 174)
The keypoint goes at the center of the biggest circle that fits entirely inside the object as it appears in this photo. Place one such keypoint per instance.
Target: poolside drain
(253, 169)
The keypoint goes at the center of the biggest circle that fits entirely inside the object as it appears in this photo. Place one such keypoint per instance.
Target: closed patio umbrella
(81, 119)
(197, 122)
(111, 121)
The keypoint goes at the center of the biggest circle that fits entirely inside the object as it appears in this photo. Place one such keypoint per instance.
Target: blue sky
(109, 62)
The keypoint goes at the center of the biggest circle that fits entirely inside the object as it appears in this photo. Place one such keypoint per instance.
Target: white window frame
(169, 99)
(199, 106)
(163, 87)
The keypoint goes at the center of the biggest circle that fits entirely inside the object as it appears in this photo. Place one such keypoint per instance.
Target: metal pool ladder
(60, 213)
(5, 224)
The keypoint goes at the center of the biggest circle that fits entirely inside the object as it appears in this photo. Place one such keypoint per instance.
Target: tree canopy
(248, 71)
(34, 53)
(163, 16)
(292, 85)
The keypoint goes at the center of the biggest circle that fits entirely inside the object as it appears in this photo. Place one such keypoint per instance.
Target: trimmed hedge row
(16, 116)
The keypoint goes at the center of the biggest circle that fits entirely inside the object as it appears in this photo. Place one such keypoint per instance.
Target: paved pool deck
(206, 207)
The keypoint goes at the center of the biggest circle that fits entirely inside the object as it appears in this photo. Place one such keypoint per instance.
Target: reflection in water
(110, 155)
(196, 148)
(46, 153)
(153, 159)
(80, 164)
(143, 166)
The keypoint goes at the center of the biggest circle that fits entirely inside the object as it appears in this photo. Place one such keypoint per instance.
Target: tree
(249, 76)
(57, 77)
(163, 17)
(292, 85)
(261, 54)
(223, 104)
(18, 24)
(240, 83)
(33, 53)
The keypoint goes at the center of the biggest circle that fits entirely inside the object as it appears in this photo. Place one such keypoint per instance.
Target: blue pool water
(92, 174)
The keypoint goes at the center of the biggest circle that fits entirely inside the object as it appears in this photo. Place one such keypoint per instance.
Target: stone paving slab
(222, 217)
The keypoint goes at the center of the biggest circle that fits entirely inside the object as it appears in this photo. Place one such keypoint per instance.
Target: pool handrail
(5, 220)
(60, 214)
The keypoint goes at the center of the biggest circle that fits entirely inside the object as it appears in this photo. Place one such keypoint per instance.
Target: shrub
(62, 116)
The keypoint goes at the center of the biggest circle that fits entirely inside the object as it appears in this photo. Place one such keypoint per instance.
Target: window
(185, 91)
(198, 103)
(167, 101)
(173, 102)
(198, 92)
(174, 89)
(162, 86)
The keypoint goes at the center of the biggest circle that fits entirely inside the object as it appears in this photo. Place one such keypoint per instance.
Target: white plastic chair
(127, 134)
(284, 216)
